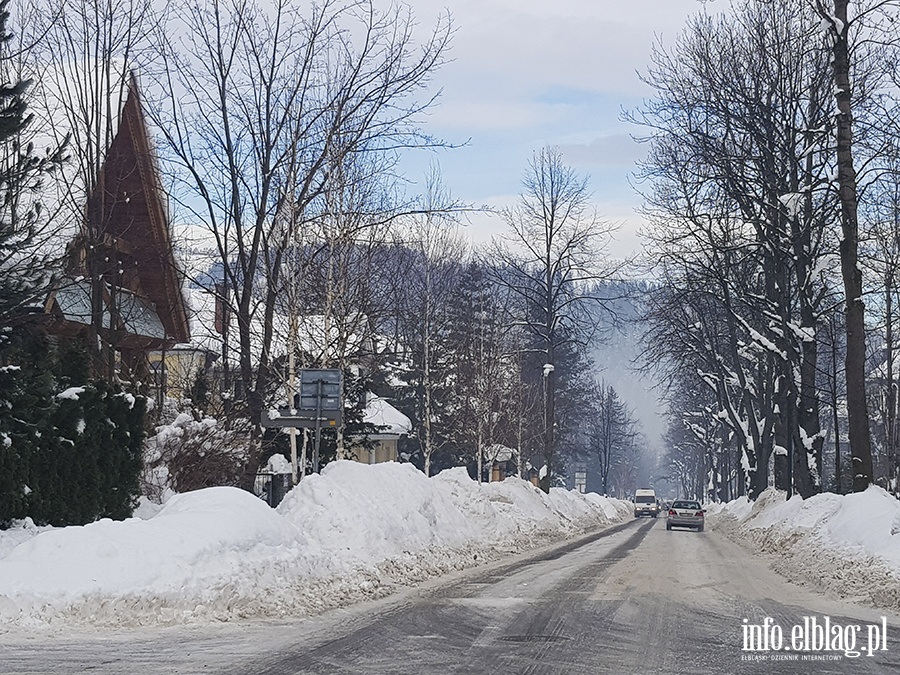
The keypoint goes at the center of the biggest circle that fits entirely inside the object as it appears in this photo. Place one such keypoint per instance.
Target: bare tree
(841, 27)
(880, 255)
(261, 103)
(554, 250)
(740, 175)
(611, 430)
(438, 254)
(831, 377)
(333, 297)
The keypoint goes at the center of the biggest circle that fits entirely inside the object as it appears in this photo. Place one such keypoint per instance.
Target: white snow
(792, 201)
(386, 417)
(498, 453)
(278, 464)
(72, 393)
(220, 553)
(844, 543)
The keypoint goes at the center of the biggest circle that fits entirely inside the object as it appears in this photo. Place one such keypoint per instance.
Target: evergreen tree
(70, 452)
(480, 379)
(25, 264)
(610, 433)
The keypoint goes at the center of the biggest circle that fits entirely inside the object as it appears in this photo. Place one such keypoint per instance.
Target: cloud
(470, 116)
(590, 44)
(525, 74)
(612, 150)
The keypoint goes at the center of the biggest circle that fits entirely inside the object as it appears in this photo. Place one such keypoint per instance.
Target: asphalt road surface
(632, 599)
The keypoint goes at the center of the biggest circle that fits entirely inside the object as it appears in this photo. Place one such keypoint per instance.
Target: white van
(645, 503)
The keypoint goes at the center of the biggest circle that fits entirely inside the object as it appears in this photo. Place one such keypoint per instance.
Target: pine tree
(480, 378)
(25, 266)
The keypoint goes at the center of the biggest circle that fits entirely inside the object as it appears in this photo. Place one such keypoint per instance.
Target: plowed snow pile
(848, 544)
(351, 533)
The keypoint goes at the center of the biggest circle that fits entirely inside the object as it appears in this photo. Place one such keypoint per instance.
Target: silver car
(685, 513)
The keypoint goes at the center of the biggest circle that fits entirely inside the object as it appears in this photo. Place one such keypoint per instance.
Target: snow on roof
(498, 453)
(202, 318)
(391, 422)
(322, 339)
(196, 249)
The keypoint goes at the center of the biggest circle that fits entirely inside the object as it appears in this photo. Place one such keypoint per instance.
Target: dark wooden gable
(128, 207)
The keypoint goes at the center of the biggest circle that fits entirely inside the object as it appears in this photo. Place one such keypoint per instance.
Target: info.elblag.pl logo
(816, 635)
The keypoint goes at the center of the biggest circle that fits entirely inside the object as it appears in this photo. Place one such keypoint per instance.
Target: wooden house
(122, 281)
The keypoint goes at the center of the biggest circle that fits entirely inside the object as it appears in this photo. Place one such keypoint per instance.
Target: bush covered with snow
(848, 544)
(189, 454)
(353, 532)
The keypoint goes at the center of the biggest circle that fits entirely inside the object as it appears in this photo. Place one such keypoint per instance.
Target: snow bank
(515, 513)
(353, 532)
(848, 544)
(360, 513)
(21, 531)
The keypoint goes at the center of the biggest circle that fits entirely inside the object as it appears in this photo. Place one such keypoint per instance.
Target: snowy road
(636, 599)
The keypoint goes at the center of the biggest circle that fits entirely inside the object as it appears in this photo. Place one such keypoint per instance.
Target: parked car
(685, 513)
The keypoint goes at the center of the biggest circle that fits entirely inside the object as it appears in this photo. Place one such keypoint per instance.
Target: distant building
(392, 424)
(500, 462)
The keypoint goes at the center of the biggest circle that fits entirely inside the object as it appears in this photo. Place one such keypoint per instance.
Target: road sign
(318, 403)
(300, 419)
(319, 390)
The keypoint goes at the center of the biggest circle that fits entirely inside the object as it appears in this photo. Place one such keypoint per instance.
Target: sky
(525, 74)
(531, 73)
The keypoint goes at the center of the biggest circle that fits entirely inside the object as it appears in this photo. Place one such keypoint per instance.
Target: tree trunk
(855, 360)
(890, 404)
(836, 419)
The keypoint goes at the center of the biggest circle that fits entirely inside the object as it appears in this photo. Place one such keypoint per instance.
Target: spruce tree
(25, 264)
(26, 410)
(24, 276)
(63, 460)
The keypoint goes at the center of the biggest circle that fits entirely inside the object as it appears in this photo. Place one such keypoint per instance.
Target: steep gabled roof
(127, 208)
(131, 202)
